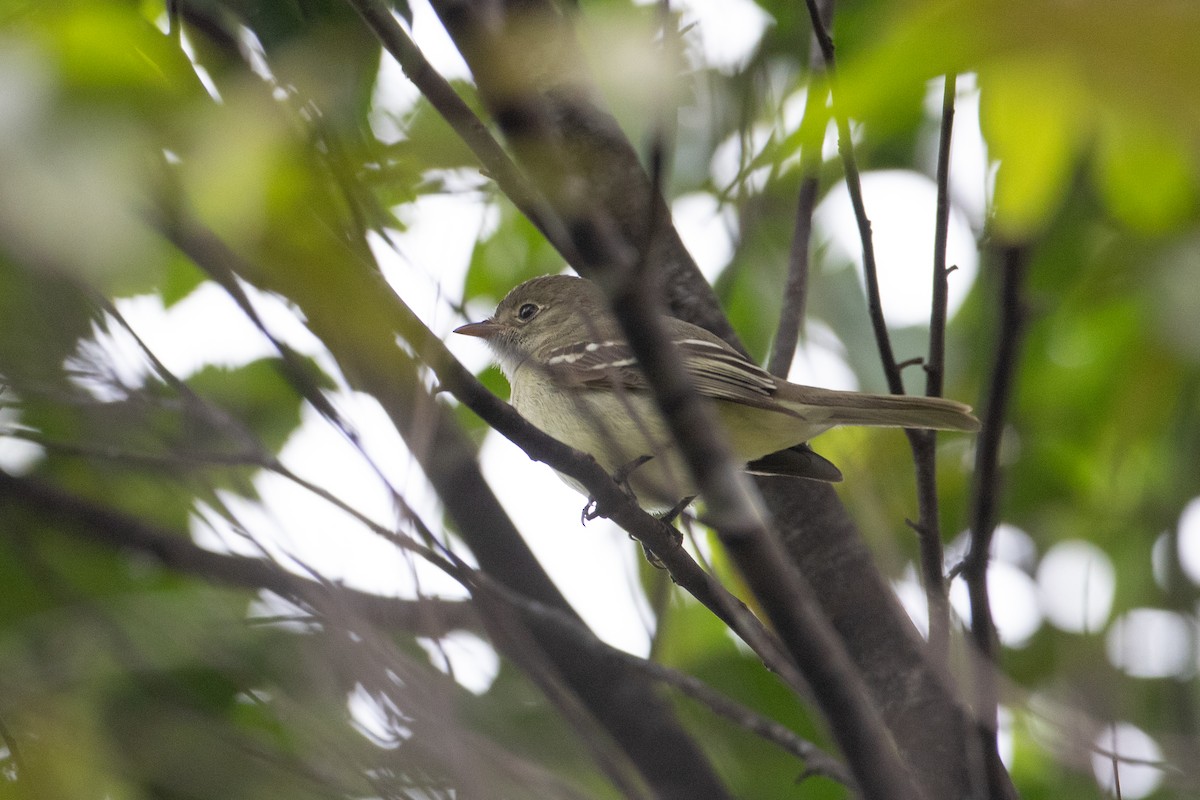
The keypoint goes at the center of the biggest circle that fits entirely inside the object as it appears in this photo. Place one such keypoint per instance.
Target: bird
(573, 375)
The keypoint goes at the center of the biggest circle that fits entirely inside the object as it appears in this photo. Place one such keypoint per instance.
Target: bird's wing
(716, 370)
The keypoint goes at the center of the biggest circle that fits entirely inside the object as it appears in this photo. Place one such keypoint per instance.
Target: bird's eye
(527, 312)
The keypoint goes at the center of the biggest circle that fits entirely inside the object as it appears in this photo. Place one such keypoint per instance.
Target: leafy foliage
(148, 147)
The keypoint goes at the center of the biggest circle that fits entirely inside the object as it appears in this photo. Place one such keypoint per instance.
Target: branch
(364, 345)
(426, 617)
(1011, 327)
(903, 686)
(454, 110)
(795, 292)
(924, 443)
(79, 517)
(854, 186)
(935, 365)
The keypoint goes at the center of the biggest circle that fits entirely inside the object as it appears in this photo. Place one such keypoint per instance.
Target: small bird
(573, 375)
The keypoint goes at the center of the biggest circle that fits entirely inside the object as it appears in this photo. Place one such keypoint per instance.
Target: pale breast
(615, 427)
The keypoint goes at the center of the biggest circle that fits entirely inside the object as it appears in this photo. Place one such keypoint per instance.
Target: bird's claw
(621, 477)
(669, 517)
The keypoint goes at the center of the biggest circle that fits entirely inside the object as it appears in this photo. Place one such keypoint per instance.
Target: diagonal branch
(455, 111)
(364, 345)
(426, 617)
(611, 255)
(891, 369)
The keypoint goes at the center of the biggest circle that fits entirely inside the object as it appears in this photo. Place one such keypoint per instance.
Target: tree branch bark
(985, 500)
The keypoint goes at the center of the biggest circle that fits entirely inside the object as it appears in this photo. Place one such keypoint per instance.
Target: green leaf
(1147, 174)
(515, 252)
(257, 395)
(1035, 119)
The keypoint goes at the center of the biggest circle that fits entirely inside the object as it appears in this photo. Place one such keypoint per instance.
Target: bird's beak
(484, 330)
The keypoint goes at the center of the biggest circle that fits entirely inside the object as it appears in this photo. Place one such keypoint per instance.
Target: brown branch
(77, 516)
(795, 292)
(924, 443)
(881, 640)
(935, 364)
(854, 186)
(454, 110)
(986, 494)
(366, 350)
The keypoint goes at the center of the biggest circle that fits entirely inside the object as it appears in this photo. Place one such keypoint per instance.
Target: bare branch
(1010, 331)
(924, 443)
(854, 186)
(795, 293)
(426, 617)
(935, 364)
(366, 350)
(441, 95)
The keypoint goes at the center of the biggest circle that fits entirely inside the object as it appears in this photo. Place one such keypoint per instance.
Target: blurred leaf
(257, 395)
(513, 253)
(42, 316)
(108, 52)
(1147, 176)
(179, 277)
(1049, 79)
(1034, 121)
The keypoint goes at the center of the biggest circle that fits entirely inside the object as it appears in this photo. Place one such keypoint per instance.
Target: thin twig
(935, 364)
(441, 95)
(818, 761)
(178, 552)
(854, 187)
(795, 292)
(985, 499)
(924, 443)
(97, 523)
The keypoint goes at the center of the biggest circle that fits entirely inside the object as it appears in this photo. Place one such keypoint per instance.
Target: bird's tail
(883, 410)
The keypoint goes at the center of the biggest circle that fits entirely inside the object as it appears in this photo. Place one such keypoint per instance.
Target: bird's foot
(669, 517)
(591, 509)
(621, 476)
